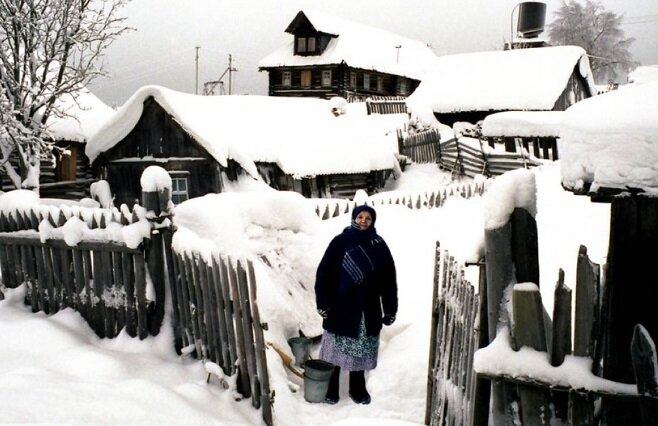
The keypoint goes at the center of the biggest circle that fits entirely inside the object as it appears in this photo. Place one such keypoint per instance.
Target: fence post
(643, 355)
(631, 280)
(528, 330)
(561, 340)
(156, 199)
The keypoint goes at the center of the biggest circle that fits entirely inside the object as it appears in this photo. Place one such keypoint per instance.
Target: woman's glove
(388, 319)
(322, 313)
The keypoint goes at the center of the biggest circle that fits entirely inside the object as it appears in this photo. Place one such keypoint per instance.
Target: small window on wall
(301, 44)
(310, 44)
(326, 78)
(286, 79)
(380, 84)
(403, 86)
(179, 188)
(366, 81)
(353, 80)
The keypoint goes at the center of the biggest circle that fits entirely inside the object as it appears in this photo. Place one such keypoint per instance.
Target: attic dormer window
(305, 45)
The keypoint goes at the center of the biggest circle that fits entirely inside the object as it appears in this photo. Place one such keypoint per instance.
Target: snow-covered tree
(48, 48)
(596, 30)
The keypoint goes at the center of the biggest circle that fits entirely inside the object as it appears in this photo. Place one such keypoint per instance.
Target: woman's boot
(332, 392)
(358, 391)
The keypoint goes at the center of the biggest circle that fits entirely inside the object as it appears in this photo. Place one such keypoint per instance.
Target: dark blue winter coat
(346, 298)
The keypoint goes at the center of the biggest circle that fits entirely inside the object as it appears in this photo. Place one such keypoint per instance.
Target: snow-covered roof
(507, 80)
(611, 140)
(359, 46)
(643, 74)
(82, 116)
(301, 135)
(523, 124)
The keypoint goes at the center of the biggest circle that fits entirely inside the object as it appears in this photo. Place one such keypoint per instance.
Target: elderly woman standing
(356, 292)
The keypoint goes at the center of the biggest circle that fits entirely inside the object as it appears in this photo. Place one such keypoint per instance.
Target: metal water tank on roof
(532, 16)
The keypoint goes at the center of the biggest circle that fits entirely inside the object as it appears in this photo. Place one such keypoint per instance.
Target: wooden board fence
(105, 281)
(453, 341)
(215, 302)
(460, 157)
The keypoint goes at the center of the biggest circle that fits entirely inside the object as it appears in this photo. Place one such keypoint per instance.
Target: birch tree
(599, 32)
(48, 48)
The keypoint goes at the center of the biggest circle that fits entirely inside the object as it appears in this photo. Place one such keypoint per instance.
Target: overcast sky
(162, 50)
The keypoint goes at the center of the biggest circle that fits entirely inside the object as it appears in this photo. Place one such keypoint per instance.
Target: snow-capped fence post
(528, 330)
(156, 199)
(511, 254)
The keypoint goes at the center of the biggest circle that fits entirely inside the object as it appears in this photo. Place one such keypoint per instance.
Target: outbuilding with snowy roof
(330, 57)
(470, 86)
(316, 147)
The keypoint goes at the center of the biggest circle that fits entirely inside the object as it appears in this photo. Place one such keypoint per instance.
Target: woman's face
(363, 220)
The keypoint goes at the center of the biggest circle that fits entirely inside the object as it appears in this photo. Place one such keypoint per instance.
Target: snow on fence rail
(111, 264)
(327, 208)
(462, 156)
(88, 259)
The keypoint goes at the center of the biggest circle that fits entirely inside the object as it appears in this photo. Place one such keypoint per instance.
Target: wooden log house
(469, 87)
(204, 141)
(333, 57)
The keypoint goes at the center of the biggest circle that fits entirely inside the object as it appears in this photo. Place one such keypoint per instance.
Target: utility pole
(196, 79)
(230, 72)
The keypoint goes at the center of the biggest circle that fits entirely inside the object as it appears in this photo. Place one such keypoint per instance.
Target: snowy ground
(55, 370)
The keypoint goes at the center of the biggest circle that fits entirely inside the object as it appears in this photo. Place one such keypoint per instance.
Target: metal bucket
(301, 347)
(316, 379)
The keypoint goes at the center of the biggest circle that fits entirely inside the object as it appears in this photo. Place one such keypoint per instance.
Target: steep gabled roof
(522, 79)
(301, 135)
(357, 45)
(83, 115)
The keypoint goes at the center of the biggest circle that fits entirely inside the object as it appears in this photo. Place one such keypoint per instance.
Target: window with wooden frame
(353, 80)
(326, 78)
(306, 78)
(301, 45)
(310, 45)
(366, 81)
(403, 86)
(380, 84)
(286, 79)
(179, 187)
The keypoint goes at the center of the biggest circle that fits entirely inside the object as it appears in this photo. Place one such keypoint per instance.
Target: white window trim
(175, 191)
(326, 78)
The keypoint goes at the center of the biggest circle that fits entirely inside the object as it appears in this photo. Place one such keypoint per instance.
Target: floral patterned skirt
(349, 353)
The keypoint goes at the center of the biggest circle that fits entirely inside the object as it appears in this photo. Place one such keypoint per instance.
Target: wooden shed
(470, 86)
(535, 131)
(203, 141)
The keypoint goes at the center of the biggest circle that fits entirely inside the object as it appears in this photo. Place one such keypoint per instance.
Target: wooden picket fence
(106, 281)
(116, 284)
(327, 208)
(216, 313)
(463, 322)
(453, 340)
(386, 105)
(462, 156)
